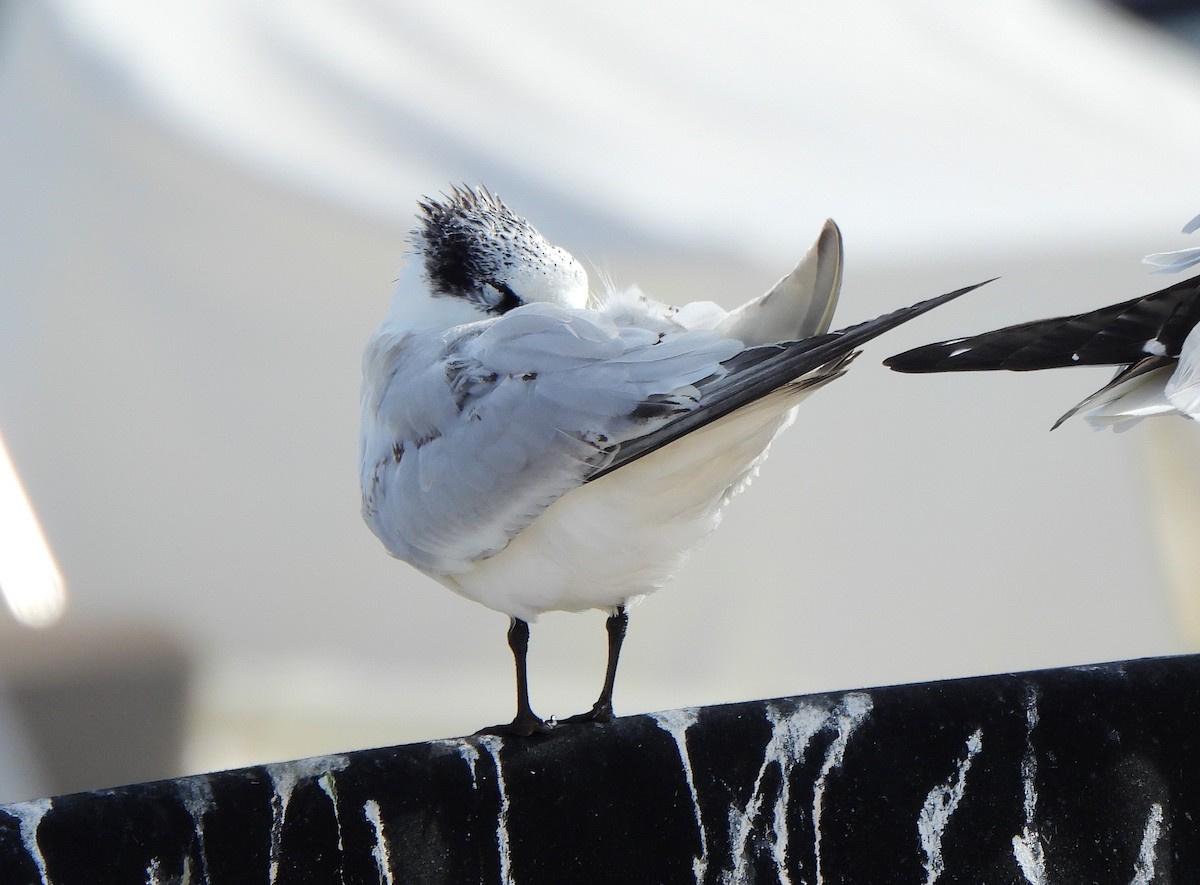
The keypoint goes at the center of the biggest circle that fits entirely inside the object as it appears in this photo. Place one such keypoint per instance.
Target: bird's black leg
(602, 710)
(526, 722)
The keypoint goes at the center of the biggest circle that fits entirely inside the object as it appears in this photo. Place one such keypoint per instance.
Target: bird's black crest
(466, 240)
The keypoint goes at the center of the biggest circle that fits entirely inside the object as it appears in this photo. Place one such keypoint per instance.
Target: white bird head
(477, 258)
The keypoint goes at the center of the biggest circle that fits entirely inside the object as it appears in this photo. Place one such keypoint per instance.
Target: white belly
(621, 537)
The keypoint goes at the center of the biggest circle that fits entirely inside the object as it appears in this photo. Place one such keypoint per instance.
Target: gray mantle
(1087, 774)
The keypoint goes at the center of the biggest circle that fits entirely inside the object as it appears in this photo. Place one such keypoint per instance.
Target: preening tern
(536, 447)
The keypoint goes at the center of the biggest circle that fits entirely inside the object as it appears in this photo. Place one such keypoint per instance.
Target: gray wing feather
(758, 371)
(516, 412)
(469, 438)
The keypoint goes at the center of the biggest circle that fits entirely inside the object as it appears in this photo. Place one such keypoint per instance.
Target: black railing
(1087, 774)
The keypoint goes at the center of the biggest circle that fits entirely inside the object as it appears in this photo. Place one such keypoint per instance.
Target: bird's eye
(506, 298)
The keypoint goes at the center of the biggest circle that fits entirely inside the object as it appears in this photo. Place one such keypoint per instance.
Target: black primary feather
(757, 371)
(1118, 335)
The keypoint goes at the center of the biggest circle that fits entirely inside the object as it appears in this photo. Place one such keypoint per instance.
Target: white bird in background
(1153, 340)
(537, 448)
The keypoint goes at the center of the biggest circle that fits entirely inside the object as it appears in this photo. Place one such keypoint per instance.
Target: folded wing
(1117, 335)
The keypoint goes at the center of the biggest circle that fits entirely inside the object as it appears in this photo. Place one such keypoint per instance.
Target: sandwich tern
(536, 447)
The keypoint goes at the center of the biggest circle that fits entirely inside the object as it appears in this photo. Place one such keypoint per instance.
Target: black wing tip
(861, 333)
(1116, 334)
(949, 296)
(906, 313)
(920, 360)
(931, 357)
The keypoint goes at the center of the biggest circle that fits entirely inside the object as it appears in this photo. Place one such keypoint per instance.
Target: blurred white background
(205, 205)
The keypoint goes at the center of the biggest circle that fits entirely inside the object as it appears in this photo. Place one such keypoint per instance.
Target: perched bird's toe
(601, 713)
(521, 726)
